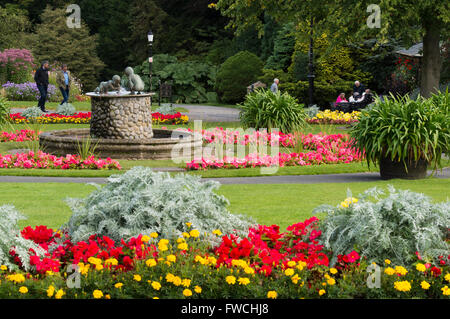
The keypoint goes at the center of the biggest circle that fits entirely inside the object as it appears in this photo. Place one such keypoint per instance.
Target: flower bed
(43, 160)
(265, 264)
(18, 136)
(335, 117)
(85, 118)
(318, 149)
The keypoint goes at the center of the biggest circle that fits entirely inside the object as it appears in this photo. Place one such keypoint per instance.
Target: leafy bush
(166, 109)
(66, 109)
(32, 112)
(235, 74)
(404, 130)
(142, 201)
(312, 111)
(265, 109)
(4, 111)
(11, 240)
(394, 227)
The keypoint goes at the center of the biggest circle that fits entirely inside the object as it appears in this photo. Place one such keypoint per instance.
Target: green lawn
(285, 204)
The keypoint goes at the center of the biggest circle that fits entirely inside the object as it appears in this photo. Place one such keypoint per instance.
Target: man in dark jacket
(41, 79)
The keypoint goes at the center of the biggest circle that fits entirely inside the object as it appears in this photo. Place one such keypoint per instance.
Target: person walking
(63, 81)
(41, 79)
(274, 86)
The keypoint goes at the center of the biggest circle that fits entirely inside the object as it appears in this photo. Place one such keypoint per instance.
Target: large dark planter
(393, 169)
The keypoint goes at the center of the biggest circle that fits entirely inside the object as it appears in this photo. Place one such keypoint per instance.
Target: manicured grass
(43, 203)
(79, 106)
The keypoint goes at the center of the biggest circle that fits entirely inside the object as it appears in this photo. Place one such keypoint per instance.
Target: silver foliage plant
(32, 112)
(66, 109)
(166, 108)
(142, 201)
(392, 227)
(10, 238)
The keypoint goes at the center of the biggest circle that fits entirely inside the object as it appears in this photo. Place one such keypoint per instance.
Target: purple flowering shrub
(16, 65)
(28, 91)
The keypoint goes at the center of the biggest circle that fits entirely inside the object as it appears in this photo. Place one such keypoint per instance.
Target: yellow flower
(445, 291)
(182, 246)
(189, 225)
(169, 277)
(98, 267)
(145, 238)
(177, 281)
(186, 282)
(163, 242)
(421, 267)
(389, 271)
(107, 296)
(231, 280)
(243, 281)
(447, 277)
(295, 279)
(401, 270)
(23, 290)
(198, 289)
(137, 278)
(94, 261)
(185, 235)
(181, 240)
(97, 294)
(289, 272)
(291, 263)
(331, 281)
(272, 294)
(322, 292)
(387, 261)
(150, 262)
(249, 270)
(402, 285)
(3, 267)
(194, 233)
(425, 285)
(154, 235)
(217, 232)
(187, 292)
(50, 291)
(17, 278)
(171, 258)
(118, 285)
(156, 285)
(59, 294)
(333, 271)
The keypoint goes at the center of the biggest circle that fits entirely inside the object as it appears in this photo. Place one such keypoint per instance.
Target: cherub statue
(135, 82)
(111, 85)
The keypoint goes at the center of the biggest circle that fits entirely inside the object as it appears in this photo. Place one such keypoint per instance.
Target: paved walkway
(282, 179)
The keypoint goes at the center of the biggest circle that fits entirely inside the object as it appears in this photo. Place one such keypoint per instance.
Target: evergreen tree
(14, 29)
(58, 43)
(283, 48)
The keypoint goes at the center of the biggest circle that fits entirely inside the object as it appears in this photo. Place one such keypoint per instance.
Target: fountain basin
(160, 146)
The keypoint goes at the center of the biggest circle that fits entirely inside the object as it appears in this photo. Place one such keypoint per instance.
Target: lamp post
(311, 66)
(150, 57)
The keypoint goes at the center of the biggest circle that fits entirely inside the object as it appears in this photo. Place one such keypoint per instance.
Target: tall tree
(58, 43)
(411, 21)
(14, 29)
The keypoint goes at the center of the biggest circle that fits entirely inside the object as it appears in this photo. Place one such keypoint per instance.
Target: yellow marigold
(97, 294)
(289, 272)
(98, 267)
(50, 291)
(243, 281)
(425, 285)
(189, 225)
(272, 294)
(182, 246)
(181, 240)
(137, 277)
(231, 280)
(177, 281)
(389, 271)
(186, 282)
(169, 277)
(16, 278)
(154, 235)
(447, 277)
(333, 271)
(150, 262)
(217, 232)
(331, 281)
(23, 290)
(118, 285)
(198, 289)
(145, 238)
(3, 267)
(187, 292)
(401, 270)
(387, 261)
(445, 291)
(172, 258)
(163, 242)
(156, 285)
(291, 263)
(59, 294)
(94, 261)
(194, 233)
(322, 292)
(212, 260)
(295, 279)
(249, 270)
(107, 296)
(421, 267)
(186, 235)
(402, 285)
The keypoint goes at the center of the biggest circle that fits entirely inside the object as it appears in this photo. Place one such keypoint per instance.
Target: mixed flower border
(265, 264)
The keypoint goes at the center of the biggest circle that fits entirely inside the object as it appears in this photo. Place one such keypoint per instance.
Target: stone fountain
(121, 126)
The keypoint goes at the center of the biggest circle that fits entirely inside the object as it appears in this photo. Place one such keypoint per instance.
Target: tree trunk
(431, 60)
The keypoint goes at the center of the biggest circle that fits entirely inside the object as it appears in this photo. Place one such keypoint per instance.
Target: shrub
(394, 227)
(235, 74)
(4, 111)
(14, 249)
(265, 109)
(404, 130)
(66, 109)
(142, 201)
(32, 112)
(166, 109)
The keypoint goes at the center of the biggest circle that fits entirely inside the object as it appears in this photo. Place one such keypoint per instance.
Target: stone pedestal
(122, 117)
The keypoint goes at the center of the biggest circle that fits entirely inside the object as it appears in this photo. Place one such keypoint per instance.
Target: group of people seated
(360, 98)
